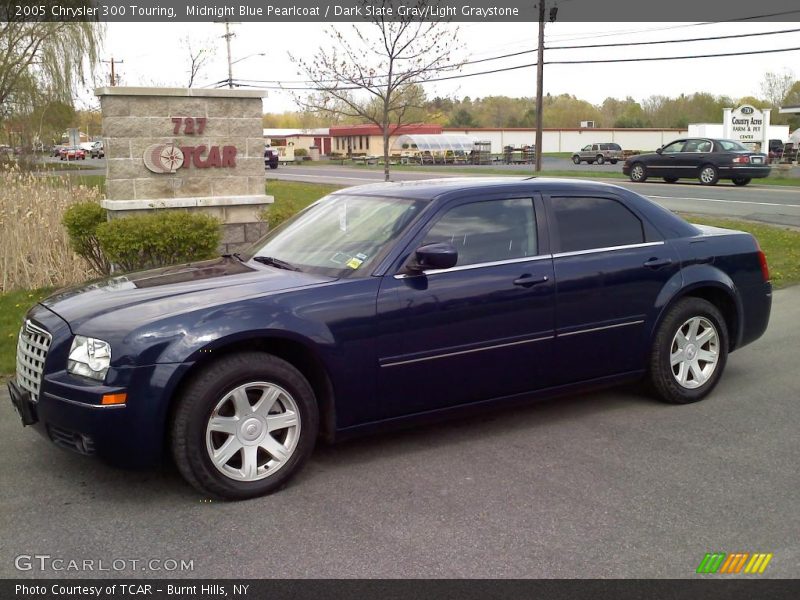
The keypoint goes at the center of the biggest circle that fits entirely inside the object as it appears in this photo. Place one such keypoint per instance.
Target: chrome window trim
(470, 351)
(475, 266)
(569, 333)
(607, 249)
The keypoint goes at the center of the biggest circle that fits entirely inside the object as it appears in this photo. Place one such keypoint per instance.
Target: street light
(248, 56)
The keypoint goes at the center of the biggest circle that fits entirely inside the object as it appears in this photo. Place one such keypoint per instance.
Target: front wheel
(638, 173)
(740, 181)
(244, 426)
(576, 160)
(709, 175)
(689, 351)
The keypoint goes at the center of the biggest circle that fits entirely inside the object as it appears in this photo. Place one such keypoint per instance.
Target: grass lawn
(13, 307)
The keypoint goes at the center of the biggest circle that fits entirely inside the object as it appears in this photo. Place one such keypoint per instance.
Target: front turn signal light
(114, 399)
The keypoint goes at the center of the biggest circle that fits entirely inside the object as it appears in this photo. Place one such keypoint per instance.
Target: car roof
(429, 189)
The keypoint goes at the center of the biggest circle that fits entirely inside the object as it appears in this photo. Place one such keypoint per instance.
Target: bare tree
(373, 71)
(776, 86)
(200, 53)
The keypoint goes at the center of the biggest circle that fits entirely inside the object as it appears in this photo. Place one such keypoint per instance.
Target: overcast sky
(154, 54)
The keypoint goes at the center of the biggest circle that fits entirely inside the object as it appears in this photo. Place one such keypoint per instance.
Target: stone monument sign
(187, 148)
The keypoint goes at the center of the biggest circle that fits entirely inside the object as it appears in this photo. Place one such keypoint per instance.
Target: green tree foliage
(81, 221)
(43, 63)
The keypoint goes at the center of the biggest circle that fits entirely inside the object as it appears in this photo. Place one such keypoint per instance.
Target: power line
(526, 66)
(701, 39)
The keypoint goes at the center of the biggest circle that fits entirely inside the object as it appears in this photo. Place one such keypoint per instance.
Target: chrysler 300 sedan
(385, 304)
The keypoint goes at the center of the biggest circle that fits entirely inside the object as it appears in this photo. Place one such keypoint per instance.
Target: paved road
(771, 204)
(609, 484)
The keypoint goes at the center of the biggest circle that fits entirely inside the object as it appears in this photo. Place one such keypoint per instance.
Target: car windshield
(731, 146)
(339, 235)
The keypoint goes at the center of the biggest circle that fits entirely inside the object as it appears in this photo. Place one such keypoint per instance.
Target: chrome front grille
(32, 347)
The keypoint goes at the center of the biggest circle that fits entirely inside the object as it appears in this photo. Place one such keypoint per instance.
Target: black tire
(576, 159)
(614, 161)
(194, 408)
(638, 173)
(740, 181)
(709, 175)
(600, 159)
(275, 166)
(662, 378)
(670, 179)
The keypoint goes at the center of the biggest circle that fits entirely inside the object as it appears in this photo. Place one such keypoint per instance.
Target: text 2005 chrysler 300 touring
(386, 303)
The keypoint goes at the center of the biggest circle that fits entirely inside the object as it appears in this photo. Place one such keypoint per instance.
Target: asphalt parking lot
(609, 484)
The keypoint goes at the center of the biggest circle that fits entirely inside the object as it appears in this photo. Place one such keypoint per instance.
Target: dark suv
(270, 158)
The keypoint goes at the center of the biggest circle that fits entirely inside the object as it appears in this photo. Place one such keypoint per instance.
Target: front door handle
(529, 280)
(657, 263)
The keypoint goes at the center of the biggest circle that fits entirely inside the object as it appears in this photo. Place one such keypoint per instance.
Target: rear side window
(611, 147)
(587, 223)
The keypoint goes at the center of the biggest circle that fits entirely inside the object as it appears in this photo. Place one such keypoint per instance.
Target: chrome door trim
(607, 249)
(569, 333)
(475, 266)
(470, 351)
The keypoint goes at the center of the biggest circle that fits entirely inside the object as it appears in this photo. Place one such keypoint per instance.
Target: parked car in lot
(97, 150)
(56, 150)
(383, 304)
(775, 149)
(705, 159)
(271, 158)
(72, 153)
(598, 153)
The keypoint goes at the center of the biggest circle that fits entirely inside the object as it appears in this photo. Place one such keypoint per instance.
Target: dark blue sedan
(384, 304)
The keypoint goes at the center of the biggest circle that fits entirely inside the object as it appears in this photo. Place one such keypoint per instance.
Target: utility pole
(113, 78)
(539, 89)
(228, 35)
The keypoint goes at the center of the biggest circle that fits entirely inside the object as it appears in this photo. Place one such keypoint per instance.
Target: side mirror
(440, 255)
(660, 150)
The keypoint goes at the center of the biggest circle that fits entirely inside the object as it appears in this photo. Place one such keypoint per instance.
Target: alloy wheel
(253, 431)
(694, 352)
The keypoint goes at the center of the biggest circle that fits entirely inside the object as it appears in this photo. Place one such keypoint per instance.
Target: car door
(586, 152)
(669, 162)
(610, 265)
(482, 329)
(693, 155)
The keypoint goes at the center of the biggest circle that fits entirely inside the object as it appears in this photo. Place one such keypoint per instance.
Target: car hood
(149, 295)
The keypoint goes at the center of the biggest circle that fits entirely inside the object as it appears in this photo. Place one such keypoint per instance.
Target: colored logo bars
(720, 562)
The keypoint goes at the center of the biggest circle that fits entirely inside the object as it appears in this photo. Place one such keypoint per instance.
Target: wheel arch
(297, 352)
(718, 289)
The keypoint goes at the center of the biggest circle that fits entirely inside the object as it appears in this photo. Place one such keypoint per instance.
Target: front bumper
(70, 415)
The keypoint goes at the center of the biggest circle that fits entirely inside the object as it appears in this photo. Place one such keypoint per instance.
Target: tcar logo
(163, 158)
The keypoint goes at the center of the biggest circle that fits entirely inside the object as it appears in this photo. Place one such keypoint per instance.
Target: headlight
(89, 357)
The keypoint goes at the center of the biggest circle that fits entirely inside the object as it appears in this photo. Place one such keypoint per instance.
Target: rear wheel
(670, 179)
(689, 351)
(614, 161)
(741, 180)
(244, 426)
(638, 173)
(600, 159)
(709, 175)
(576, 159)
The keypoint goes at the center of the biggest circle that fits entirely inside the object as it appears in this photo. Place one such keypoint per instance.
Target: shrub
(81, 221)
(301, 152)
(278, 212)
(158, 239)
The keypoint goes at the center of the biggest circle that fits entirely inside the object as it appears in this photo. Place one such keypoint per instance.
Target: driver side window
(488, 231)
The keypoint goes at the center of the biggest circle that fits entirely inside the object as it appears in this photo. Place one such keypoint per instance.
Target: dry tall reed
(34, 246)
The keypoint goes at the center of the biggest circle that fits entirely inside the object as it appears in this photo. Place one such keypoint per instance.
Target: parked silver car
(598, 153)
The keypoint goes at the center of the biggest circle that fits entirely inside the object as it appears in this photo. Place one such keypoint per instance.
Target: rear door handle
(657, 263)
(529, 280)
